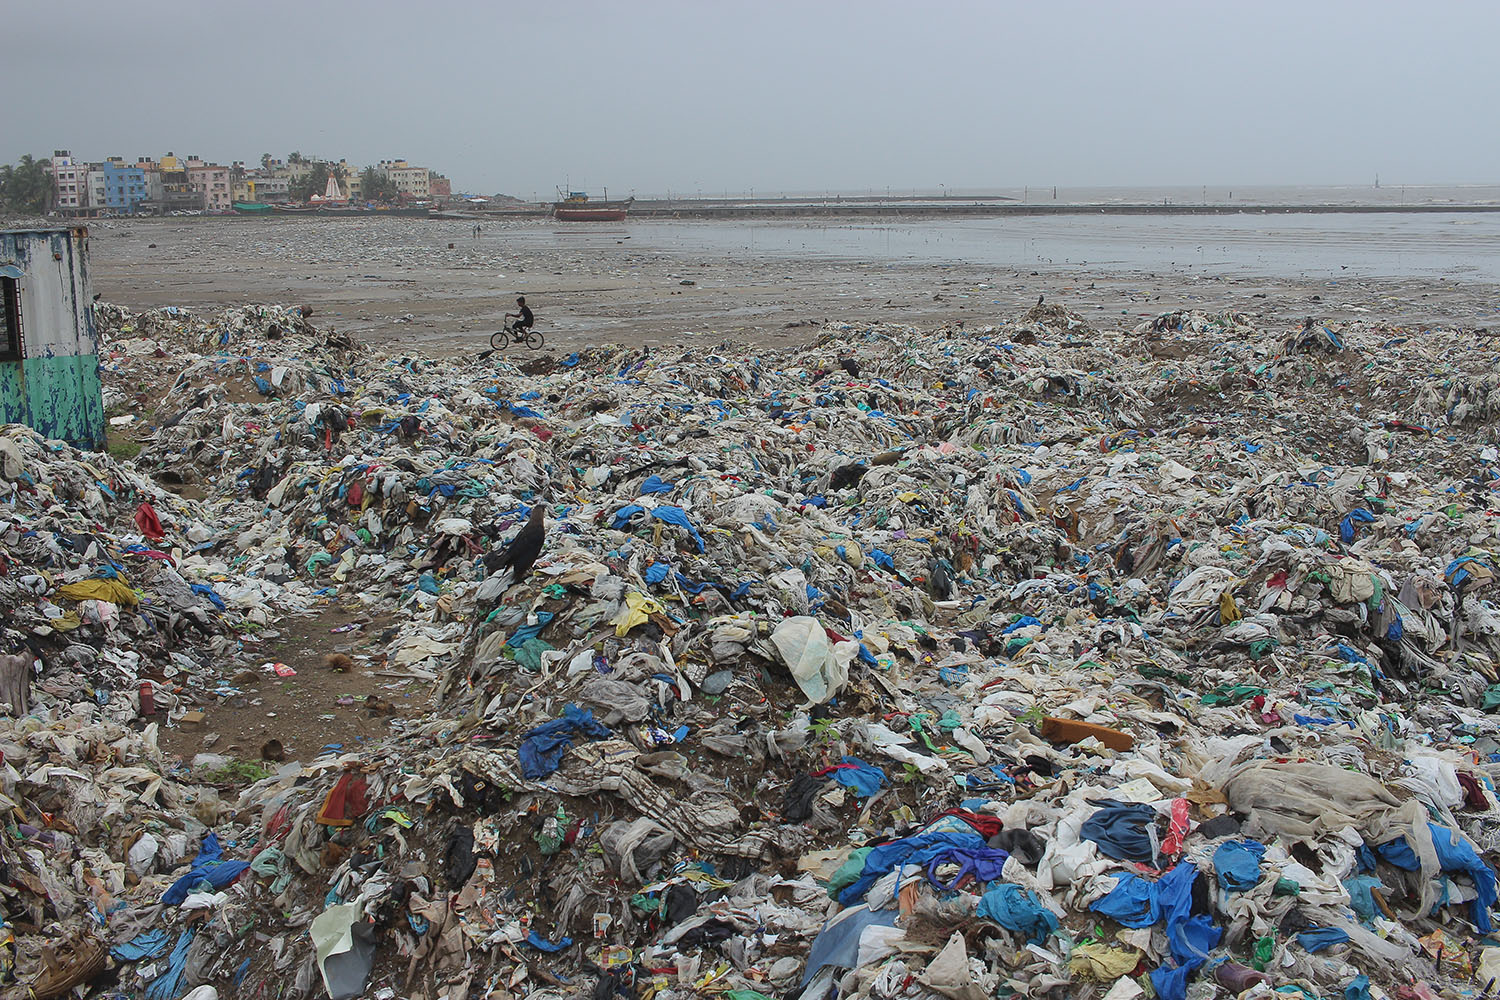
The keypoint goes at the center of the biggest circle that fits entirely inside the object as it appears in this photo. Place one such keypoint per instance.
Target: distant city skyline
(658, 96)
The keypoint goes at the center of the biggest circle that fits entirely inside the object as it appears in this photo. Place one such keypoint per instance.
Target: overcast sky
(655, 96)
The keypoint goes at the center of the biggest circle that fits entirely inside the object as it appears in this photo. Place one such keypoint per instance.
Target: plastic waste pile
(1034, 659)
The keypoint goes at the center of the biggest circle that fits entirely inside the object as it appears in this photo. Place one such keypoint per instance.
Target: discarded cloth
(543, 748)
(1120, 830)
(209, 866)
(851, 772)
(1017, 909)
(1238, 864)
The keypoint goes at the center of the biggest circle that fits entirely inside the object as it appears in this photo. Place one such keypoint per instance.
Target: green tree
(26, 187)
(265, 161)
(314, 182)
(377, 185)
(294, 157)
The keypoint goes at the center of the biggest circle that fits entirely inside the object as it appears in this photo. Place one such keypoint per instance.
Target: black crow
(851, 366)
(521, 553)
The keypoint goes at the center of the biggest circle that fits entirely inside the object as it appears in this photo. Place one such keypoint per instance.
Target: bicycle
(501, 339)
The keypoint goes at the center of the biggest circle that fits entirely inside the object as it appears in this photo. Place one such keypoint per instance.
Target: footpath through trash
(1030, 660)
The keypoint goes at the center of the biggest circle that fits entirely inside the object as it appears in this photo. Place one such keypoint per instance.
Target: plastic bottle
(1238, 978)
(554, 829)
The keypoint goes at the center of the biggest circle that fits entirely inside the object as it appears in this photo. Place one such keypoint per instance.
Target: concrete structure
(212, 182)
(151, 171)
(70, 182)
(124, 186)
(439, 186)
(177, 192)
(49, 350)
(96, 191)
(269, 188)
(410, 181)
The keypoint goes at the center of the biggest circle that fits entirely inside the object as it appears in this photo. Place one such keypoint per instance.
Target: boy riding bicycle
(523, 320)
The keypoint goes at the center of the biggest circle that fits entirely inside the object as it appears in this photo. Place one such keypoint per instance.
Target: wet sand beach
(431, 282)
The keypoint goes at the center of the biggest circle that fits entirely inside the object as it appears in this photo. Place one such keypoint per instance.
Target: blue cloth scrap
(1137, 902)
(656, 572)
(204, 590)
(1399, 853)
(837, 944)
(542, 944)
(1457, 856)
(1350, 655)
(526, 633)
(1358, 988)
(208, 867)
(1360, 899)
(678, 516)
(1120, 829)
(984, 863)
(543, 748)
(1020, 910)
(1315, 939)
(656, 484)
(1358, 515)
(1238, 864)
(1457, 574)
(1190, 942)
(148, 944)
(625, 514)
(168, 985)
(916, 850)
(865, 779)
(689, 585)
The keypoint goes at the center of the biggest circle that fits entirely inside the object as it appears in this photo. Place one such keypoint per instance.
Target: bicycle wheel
(499, 340)
(534, 340)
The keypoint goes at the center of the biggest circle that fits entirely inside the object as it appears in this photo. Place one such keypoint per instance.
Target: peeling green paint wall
(60, 397)
(55, 387)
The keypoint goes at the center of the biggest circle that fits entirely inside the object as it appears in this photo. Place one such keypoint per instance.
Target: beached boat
(576, 207)
(252, 208)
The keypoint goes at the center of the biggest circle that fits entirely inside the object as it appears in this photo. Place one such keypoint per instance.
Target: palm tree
(26, 187)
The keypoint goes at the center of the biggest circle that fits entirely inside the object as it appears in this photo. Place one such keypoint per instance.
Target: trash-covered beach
(1034, 656)
(662, 284)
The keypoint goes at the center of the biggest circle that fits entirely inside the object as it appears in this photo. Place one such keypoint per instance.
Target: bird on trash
(521, 553)
(851, 366)
(940, 579)
(1041, 298)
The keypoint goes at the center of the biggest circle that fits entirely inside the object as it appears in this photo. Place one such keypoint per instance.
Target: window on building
(10, 317)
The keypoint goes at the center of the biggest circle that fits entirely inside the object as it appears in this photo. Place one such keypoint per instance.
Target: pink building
(212, 181)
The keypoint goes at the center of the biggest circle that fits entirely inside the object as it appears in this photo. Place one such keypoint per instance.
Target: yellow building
(410, 181)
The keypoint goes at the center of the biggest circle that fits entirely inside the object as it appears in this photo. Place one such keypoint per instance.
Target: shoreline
(848, 211)
(656, 285)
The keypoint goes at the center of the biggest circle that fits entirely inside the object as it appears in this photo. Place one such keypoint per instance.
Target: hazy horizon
(662, 97)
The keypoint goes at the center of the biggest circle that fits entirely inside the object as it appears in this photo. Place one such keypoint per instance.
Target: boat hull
(564, 214)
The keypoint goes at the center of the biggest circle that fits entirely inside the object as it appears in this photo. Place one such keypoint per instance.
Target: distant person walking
(524, 320)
